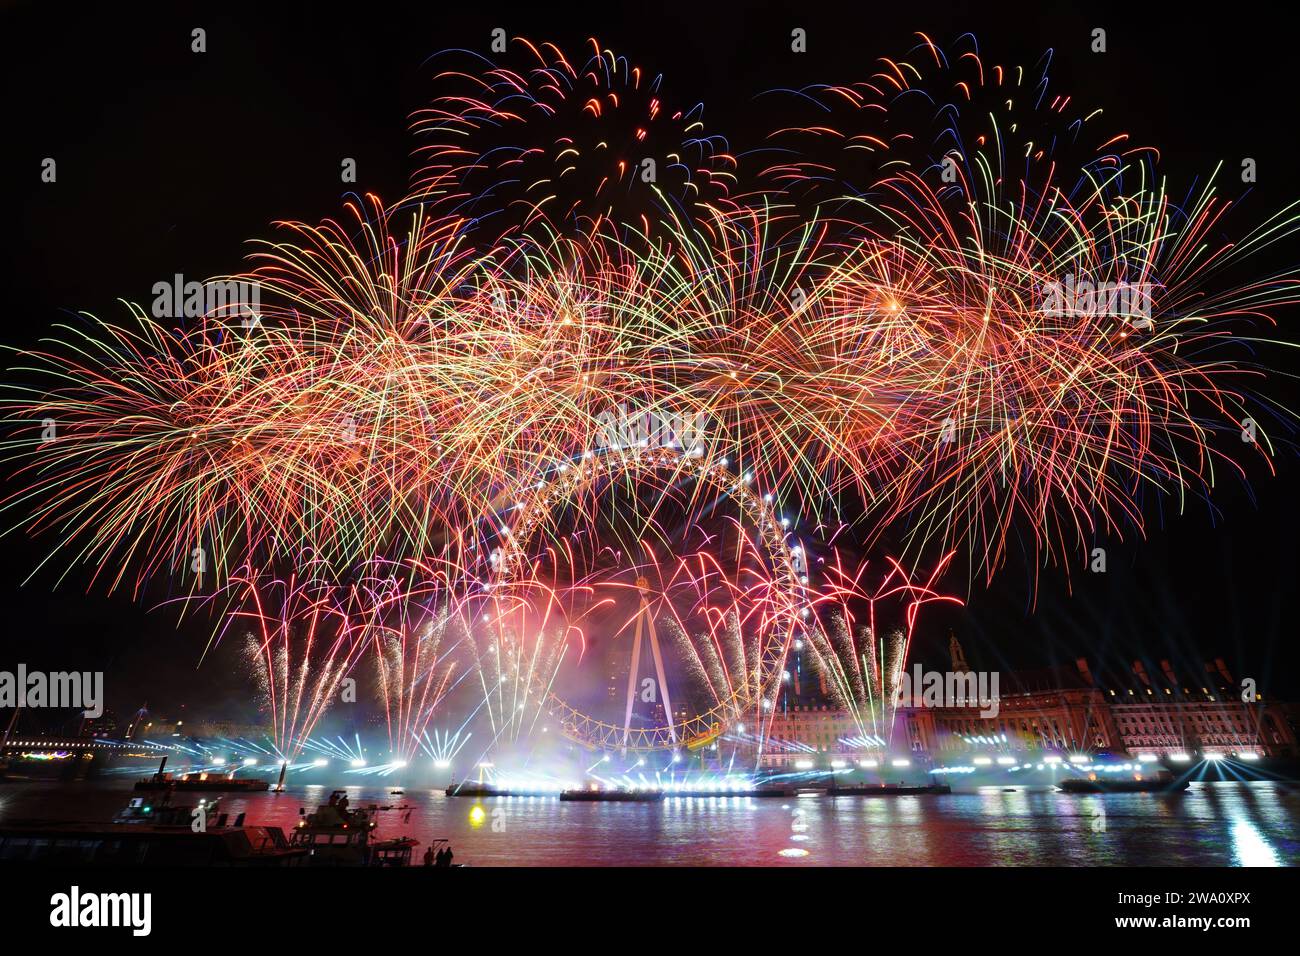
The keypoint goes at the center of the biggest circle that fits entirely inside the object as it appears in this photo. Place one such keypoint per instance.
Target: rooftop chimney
(1223, 670)
(1141, 673)
(1169, 673)
(1082, 664)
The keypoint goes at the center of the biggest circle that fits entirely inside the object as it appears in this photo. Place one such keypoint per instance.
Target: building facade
(1146, 710)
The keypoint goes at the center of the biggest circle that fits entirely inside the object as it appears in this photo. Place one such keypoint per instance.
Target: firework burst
(887, 333)
(536, 146)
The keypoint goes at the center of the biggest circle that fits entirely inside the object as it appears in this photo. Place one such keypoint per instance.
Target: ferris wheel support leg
(663, 683)
(631, 682)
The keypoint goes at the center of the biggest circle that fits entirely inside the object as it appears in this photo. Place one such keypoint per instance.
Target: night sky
(168, 161)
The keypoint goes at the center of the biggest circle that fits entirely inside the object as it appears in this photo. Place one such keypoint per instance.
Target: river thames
(1211, 824)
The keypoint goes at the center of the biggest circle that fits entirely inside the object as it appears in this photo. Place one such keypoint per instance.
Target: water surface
(1212, 824)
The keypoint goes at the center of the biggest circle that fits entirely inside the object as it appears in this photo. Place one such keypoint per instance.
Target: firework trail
(722, 664)
(540, 147)
(516, 672)
(945, 116)
(412, 670)
(1015, 419)
(883, 327)
(300, 639)
(860, 670)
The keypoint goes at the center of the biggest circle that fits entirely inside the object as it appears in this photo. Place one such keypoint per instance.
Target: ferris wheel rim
(537, 501)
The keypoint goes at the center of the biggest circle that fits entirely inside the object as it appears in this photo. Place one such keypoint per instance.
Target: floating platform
(485, 790)
(613, 796)
(474, 790)
(889, 790)
(715, 793)
(1150, 785)
(199, 785)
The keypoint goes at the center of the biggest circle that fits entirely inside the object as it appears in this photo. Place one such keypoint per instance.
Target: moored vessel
(202, 781)
(889, 790)
(145, 835)
(612, 796)
(1161, 782)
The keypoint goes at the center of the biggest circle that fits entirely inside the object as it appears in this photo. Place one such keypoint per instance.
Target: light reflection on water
(1215, 824)
(1250, 847)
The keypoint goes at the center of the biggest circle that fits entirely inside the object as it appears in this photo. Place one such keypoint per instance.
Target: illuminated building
(1062, 710)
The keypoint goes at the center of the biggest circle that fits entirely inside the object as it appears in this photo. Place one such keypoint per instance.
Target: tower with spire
(957, 655)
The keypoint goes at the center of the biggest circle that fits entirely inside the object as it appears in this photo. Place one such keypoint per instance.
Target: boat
(202, 781)
(1160, 782)
(436, 846)
(889, 790)
(479, 790)
(335, 835)
(468, 789)
(394, 852)
(164, 813)
(144, 835)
